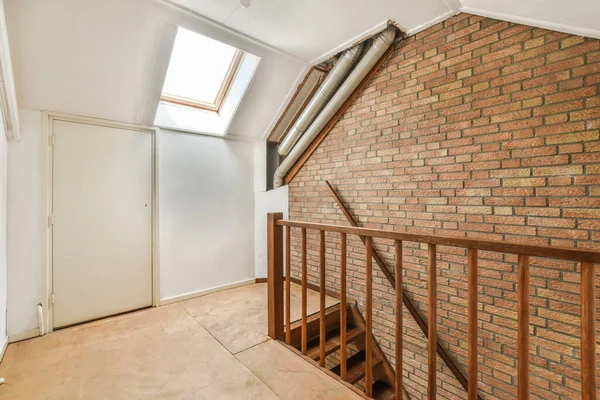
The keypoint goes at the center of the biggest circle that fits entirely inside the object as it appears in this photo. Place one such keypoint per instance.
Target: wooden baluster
(432, 331)
(323, 333)
(399, 294)
(588, 332)
(523, 327)
(472, 323)
(369, 319)
(343, 318)
(275, 276)
(288, 285)
(304, 294)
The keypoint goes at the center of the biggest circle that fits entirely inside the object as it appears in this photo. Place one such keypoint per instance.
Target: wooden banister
(588, 259)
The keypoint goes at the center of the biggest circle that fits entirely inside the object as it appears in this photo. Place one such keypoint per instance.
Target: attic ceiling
(312, 29)
(309, 29)
(97, 57)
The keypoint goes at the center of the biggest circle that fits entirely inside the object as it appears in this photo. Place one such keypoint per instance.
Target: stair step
(332, 320)
(356, 367)
(333, 342)
(383, 391)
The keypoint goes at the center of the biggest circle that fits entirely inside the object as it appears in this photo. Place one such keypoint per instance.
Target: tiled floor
(212, 347)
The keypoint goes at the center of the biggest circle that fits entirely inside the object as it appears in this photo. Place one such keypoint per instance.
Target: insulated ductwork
(381, 43)
(319, 100)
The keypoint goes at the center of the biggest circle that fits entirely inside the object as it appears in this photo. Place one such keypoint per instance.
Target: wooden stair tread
(333, 343)
(316, 316)
(356, 367)
(383, 391)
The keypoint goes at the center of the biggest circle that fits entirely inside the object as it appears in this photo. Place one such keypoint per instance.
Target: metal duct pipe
(333, 81)
(381, 43)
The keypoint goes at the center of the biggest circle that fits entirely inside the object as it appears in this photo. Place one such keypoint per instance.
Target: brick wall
(473, 128)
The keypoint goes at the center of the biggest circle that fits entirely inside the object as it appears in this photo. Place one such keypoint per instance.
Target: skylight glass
(200, 71)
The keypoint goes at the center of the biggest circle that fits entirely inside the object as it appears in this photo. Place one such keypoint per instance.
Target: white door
(102, 232)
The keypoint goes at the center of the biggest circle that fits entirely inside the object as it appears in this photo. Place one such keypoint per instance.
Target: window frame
(232, 71)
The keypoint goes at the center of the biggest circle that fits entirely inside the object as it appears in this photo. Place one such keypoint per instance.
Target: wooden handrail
(559, 253)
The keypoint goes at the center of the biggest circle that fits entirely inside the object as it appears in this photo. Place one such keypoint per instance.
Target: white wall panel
(206, 200)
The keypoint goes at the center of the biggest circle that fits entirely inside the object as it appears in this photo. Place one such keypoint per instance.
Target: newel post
(275, 275)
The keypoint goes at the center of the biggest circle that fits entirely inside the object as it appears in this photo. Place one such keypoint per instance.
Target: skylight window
(204, 82)
(200, 72)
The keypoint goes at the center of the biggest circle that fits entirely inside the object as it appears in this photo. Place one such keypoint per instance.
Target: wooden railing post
(288, 285)
(523, 327)
(588, 332)
(369, 319)
(304, 345)
(432, 331)
(322, 322)
(343, 354)
(275, 275)
(399, 294)
(472, 323)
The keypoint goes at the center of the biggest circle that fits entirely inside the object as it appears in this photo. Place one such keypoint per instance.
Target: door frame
(48, 118)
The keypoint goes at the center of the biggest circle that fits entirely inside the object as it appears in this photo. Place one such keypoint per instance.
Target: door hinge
(50, 220)
(52, 298)
(51, 140)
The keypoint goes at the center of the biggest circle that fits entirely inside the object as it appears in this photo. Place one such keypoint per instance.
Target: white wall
(3, 214)
(264, 202)
(25, 224)
(206, 208)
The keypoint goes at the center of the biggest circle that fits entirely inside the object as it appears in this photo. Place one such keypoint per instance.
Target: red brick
(481, 129)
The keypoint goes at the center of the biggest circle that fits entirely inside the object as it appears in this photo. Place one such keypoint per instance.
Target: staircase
(356, 362)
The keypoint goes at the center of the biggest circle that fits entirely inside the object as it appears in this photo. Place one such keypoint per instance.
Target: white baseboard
(3, 346)
(17, 337)
(204, 292)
